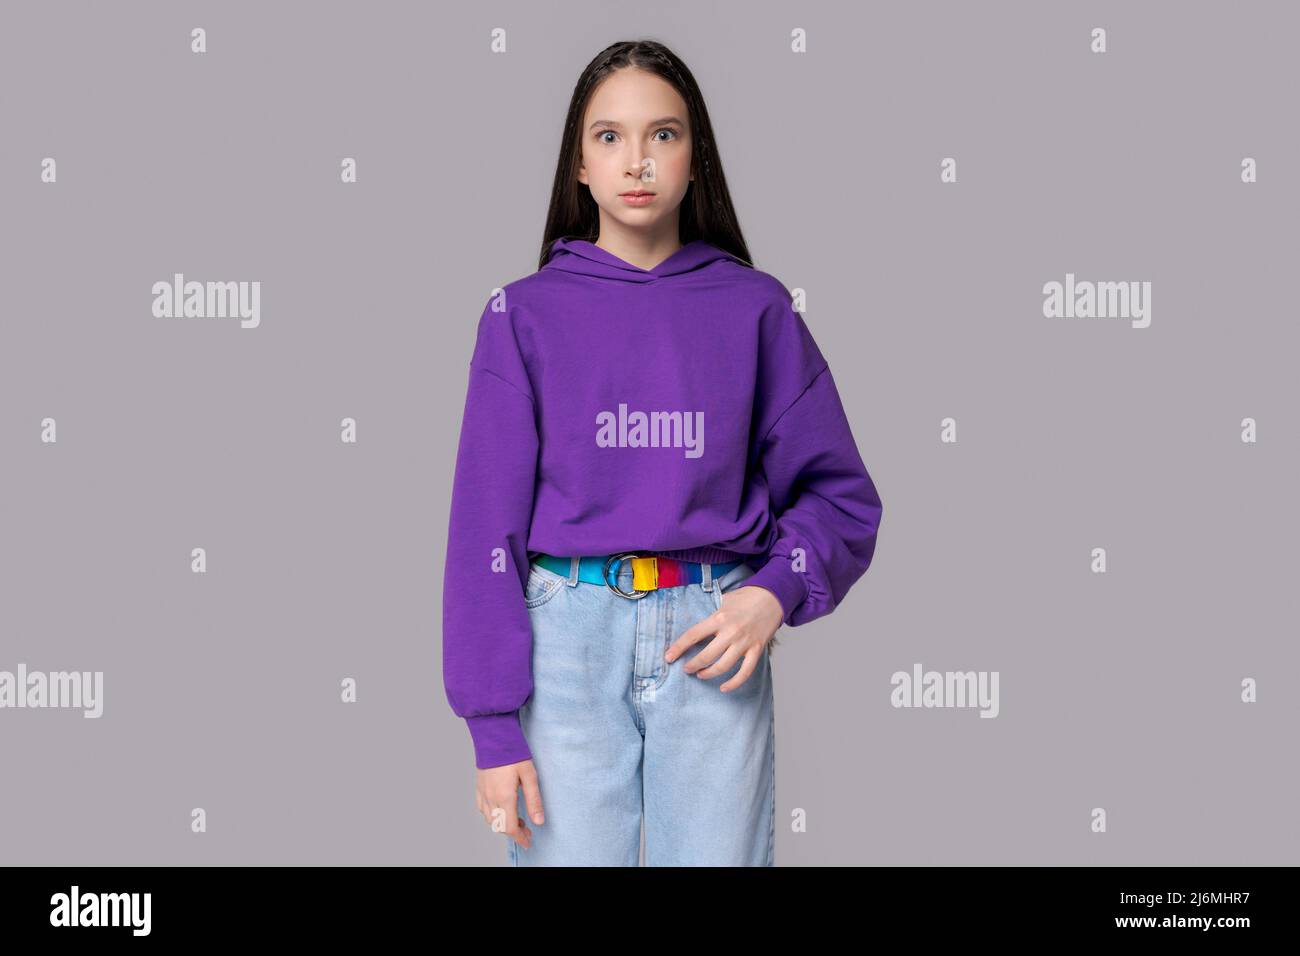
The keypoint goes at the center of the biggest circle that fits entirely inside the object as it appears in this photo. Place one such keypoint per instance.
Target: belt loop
(574, 563)
(706, 571)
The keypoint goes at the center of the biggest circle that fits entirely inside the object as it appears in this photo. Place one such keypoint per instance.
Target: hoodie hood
(582, 257)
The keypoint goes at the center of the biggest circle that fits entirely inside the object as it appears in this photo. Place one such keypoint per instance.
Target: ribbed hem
(789, 586)
(705, 555)
(498, 740)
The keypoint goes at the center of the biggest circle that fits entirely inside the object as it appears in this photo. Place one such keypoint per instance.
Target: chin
(632, 216)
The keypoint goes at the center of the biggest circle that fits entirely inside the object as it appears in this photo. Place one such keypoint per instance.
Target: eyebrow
(662, 121)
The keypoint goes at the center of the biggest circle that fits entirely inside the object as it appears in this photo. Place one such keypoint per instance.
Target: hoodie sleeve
(826, 505)
(486, 632)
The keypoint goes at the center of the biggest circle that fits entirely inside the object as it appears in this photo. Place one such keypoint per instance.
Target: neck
(640, 247)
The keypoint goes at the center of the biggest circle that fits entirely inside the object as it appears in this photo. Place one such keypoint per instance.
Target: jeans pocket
(542, 585)
(729, 582)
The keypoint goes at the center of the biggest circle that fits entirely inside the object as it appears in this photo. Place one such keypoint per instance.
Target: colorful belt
(649, 572)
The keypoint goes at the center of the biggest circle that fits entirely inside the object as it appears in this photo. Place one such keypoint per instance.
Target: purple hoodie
(684, 410)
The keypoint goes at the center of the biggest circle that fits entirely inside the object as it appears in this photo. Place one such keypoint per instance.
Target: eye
(666, 130)
(603, 133)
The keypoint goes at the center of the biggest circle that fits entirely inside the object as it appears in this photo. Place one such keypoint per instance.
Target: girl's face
(635, 137)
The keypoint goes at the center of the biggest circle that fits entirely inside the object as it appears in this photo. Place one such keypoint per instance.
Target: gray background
(325, 560)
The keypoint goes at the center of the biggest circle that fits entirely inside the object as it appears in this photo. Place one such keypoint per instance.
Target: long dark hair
(706, 210)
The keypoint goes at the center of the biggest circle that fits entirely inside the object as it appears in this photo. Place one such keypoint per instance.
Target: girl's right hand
(497, 795)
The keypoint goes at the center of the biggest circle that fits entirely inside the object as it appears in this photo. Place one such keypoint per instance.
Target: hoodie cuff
(498, 740)
(789, 586)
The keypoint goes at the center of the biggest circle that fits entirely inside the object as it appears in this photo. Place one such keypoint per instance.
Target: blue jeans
(616, 732)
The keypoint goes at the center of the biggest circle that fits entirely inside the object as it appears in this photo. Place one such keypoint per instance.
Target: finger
(522, 835)
(723, 664)
(742, 675)
(497, 817)
(510, 816)
(710, 652)
(692, 635)
(532, 795)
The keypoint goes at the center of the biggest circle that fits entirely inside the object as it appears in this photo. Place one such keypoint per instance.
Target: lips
(637, 192)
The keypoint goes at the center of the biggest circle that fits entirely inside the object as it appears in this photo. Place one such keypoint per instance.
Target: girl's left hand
(744, 625)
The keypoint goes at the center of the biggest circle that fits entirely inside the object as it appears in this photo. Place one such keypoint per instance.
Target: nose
(644, 170)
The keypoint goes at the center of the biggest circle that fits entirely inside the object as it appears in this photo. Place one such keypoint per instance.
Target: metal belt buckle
(634, 595)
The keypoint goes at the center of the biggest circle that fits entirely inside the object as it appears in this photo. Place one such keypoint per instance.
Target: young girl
(654, 473)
